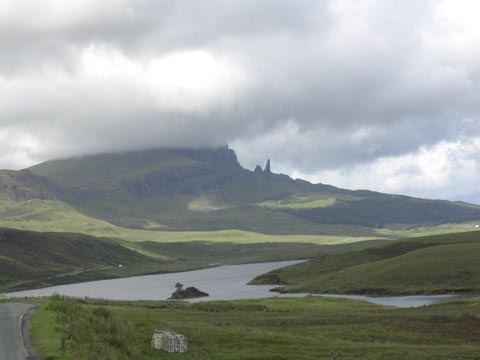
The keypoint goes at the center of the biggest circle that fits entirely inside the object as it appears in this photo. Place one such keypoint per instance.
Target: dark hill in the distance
(207, 189)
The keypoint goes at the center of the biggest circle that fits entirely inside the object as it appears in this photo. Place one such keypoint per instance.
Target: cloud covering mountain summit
(324, 88)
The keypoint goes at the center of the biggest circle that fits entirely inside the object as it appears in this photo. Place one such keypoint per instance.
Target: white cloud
(446, 170)
(183, 81)
(336, 88)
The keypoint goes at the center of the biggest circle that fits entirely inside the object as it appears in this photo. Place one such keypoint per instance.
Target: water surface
(227, 282)
(400, 301)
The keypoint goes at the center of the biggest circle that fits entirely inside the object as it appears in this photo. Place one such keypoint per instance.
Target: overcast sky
(377, 94)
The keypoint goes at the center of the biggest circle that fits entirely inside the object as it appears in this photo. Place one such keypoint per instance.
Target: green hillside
(34, 259)
(53, 215)
(435, 264)
(208, 190)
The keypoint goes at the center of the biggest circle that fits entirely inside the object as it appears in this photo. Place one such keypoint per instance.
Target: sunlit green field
(301, 202)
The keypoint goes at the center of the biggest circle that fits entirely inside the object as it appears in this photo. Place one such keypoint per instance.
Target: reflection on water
(399, 301)
(228, 282)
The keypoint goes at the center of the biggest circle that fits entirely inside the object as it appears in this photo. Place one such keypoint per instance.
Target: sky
(361, 94)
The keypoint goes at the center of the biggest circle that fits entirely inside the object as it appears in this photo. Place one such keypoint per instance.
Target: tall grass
(308, 328)
(91, 333)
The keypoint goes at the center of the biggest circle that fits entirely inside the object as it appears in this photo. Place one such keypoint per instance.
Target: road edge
(25, 328)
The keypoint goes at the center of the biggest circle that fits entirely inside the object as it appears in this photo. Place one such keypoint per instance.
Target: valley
(239, 180)
(165, 211)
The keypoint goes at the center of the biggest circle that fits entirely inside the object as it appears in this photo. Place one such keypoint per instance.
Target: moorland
(165, 210)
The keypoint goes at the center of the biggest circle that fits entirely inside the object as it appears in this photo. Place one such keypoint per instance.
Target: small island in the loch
(189, 293)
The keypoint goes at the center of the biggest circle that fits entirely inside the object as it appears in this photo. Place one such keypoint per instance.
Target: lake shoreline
(384, 294)
(226, 282)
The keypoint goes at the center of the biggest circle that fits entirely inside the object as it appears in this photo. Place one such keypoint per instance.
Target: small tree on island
(179, 286)
(190, 292)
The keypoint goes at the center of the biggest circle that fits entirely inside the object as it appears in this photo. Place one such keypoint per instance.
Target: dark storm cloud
(32, 33)
(315, 85)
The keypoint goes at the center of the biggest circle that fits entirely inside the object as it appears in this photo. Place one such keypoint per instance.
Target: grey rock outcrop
(258, 170)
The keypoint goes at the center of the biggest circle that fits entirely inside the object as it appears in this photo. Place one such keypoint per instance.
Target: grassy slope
(243, 206)
(307, 201)
(50, 215)
(377, 210)
(174, 212)
(35, 259)
(432, 264)
(267, 329)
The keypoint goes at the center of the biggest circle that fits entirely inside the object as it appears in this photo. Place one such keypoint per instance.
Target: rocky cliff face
(192, 180)
(214, 170)
(222, 158)
(22, 185)
(197, 171)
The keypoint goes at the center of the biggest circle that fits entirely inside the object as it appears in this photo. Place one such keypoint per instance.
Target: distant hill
(208, 190)
(434, 264)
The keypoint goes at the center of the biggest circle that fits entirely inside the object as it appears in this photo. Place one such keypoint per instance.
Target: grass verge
(46, 337)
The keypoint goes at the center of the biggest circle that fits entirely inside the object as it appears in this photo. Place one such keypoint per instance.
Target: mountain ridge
(208, 189)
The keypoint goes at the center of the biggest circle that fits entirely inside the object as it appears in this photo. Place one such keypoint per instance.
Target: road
(12, 315)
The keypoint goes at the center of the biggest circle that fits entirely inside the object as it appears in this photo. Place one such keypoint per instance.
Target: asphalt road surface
(14, 317)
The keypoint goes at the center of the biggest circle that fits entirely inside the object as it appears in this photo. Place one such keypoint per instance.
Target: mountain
(434, 264)
(175, 190)
(162, 209)
(170, 189)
